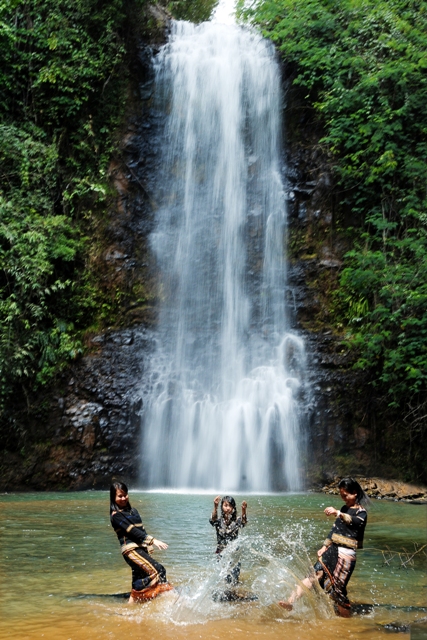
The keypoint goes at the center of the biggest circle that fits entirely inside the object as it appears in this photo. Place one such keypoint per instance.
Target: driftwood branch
(406, 558)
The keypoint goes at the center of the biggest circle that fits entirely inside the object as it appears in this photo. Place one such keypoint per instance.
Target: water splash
(222, 395)
(269, 573)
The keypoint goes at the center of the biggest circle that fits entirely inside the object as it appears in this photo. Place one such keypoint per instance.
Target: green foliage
(35, 243)
(362, 65)
(390, 331)
(192, 10)
(62, 97)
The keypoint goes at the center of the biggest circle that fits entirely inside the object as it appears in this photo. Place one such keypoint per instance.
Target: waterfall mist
(221, 396)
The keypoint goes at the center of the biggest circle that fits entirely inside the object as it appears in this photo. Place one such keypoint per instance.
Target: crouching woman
(148, 576)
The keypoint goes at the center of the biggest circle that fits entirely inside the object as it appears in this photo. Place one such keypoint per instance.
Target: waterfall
(221, 398)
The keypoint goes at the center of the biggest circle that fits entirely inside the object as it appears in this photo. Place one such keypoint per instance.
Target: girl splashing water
(148, 576)
(337, 557)
(227, 528)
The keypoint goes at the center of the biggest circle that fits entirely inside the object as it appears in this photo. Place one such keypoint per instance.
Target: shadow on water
(238, 593)
(116, 596)
(419, 630)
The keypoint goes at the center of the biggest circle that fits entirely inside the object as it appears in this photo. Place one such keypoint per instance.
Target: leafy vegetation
(62, 97)
(64, 83)
(362, 65)
(192, 10)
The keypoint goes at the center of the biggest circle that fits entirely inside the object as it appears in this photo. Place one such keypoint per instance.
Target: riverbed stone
(384, 489)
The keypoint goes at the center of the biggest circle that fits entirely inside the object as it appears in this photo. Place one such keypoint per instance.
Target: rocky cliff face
(86, 429)
(89, 430)
(341, 428)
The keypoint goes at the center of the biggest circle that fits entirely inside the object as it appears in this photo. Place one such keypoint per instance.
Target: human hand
(322, 551)
(217, 500)
(331, 511)
(244, 505)
(159, 544)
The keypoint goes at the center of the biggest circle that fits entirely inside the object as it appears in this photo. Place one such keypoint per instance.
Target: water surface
(61, 567)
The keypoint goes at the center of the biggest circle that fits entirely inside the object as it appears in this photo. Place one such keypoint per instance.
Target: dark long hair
(231, 501)
(352, 486)
(113, 488)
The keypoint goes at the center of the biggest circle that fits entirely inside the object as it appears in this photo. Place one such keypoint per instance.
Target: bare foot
(286, 605)
(131, 600)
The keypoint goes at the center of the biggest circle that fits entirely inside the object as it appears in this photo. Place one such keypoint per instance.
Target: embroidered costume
(226, 532)
(136, 546)
(338, 562)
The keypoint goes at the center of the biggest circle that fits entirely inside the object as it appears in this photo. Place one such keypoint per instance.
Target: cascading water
(221, 408)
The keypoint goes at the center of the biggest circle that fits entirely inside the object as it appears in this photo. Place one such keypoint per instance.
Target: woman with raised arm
(148, 576)
(227, 528)
(337, 557)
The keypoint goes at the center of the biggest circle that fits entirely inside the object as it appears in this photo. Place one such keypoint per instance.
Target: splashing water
(269, 572)
(221, 398)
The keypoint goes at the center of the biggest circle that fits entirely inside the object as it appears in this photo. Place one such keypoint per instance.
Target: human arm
(348, 527)
(244, 517)
(130, 526)
(159, 544)
(323, 548)
(354, 521)
(214, 516)
(331, 511)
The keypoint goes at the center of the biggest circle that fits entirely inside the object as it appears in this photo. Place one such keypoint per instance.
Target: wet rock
(383, 489)
(96, 431)
(114, 254)
(330, 264)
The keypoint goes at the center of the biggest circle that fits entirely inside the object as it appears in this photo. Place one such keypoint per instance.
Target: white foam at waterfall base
(221, 397)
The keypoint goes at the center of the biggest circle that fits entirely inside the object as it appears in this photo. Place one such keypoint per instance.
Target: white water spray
(222, 408)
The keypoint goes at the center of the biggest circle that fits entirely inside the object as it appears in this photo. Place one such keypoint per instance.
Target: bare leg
(299, 591)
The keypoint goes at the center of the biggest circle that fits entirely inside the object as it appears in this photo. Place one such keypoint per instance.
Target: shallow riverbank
(385, 490)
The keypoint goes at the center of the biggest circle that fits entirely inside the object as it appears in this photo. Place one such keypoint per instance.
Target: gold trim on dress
(343, 541)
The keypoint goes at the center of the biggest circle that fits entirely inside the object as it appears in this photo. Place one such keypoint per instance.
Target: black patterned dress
(227, 532)
(339, 560)
(136, 546)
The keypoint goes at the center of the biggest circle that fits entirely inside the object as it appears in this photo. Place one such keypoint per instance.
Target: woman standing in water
(337, 557)
(227, 528)
(148, 576)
